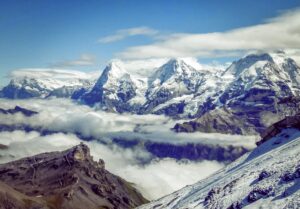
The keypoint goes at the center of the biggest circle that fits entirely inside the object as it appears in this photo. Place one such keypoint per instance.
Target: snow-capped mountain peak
(114, 71)
(28, 83)
(174, 67)
(238, 67)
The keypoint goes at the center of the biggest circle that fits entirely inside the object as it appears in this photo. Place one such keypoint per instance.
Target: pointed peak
(79, 152)
(176, 61)
(191, 62)
(266, 55)
(237, 67)
(115, 68)
(116, 63)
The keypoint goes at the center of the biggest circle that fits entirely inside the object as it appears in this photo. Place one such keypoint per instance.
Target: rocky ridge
(68, 179)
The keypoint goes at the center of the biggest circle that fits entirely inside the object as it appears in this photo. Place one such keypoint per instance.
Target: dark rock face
(12, 199)
(263, 175)
(70, 179)
(225, 121)
(172, 110)
(18, 109)
(196, 151)
(78, 93)
(276, 128)
(258, 193)
(112, 91)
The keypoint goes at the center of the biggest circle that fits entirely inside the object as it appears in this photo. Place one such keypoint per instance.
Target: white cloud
(165, 176)
(52, 73)
(83, 60)
(282, 32)
(154, 179)
(143, 67)
(124, 33)
(65, 115)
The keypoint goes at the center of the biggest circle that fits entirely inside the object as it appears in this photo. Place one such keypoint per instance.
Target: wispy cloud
(83, 60)
(124, 33)
(282, 32)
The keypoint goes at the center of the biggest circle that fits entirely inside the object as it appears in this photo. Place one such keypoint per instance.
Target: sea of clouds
(154, 179)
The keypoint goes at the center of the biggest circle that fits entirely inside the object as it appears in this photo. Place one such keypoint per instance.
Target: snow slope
(42, 83)
(116, 89)
(251, 91)
(267, 177)
(180, 88)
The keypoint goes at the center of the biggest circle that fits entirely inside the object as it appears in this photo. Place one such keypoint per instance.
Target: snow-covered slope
(256, 86)
(42, 83)
(272, 74)
(267, 177)
(183, 88)
(116, 90)
(251, 88)
(177, 88)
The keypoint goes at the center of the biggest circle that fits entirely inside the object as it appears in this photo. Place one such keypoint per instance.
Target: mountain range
(215, 99)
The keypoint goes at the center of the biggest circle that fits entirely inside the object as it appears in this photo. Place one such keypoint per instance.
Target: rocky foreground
(68, 179)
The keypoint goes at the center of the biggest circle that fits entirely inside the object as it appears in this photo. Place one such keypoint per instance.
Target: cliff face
(69, 179)
(276, 128)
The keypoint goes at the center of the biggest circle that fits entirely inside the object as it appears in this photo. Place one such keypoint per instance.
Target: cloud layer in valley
(66, 115)
(154, 179)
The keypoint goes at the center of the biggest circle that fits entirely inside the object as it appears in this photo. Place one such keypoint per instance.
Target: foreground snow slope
(268, 177)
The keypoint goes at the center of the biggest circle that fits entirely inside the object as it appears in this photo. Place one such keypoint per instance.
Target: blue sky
(85, 34)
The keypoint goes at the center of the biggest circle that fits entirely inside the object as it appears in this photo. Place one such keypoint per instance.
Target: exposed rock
(223, 120)
(18, 109)
(267, 177)
(258, 193)
(276, 128)
(263, 175)
(2, 146)
(265, 88)
(69, 179)
(12, 199)
(196, 151)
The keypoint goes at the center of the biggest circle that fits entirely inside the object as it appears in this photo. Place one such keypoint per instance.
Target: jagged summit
(114, 88)
(171, 68)
(183, 88)
(115, 68)
(18, 109)
(258, 82)
(69, 179)
(44, 83)
(237, 67)
(113, 72)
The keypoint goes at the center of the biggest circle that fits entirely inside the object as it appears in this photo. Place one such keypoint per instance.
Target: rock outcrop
(276, 128)
(69, 179)
(18, 109)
